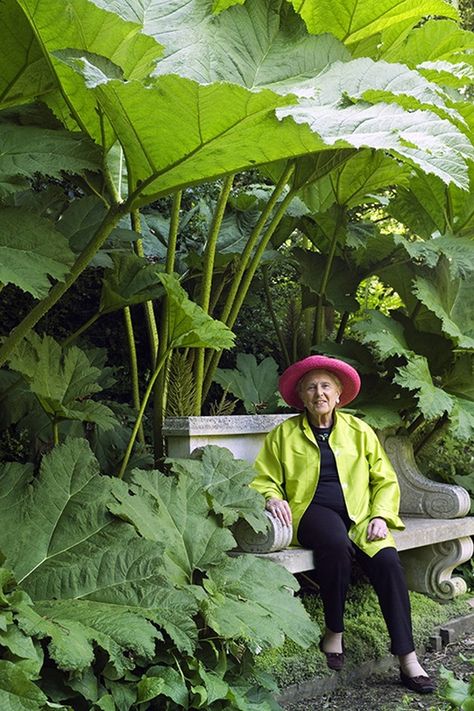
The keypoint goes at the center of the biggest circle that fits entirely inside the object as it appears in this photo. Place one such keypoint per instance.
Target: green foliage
(254, 383)
(62, 381)
(458, 693)
(31, 251)
(126, 606)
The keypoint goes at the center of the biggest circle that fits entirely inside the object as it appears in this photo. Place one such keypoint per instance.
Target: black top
(329, 491)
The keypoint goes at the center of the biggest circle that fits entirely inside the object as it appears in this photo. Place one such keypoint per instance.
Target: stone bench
(438, 531)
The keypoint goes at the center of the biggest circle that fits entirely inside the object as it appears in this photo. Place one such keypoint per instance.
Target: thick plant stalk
(159, 399)
(252, 242)
(319, 324)
(148, 305)
(41, 309)
(141, 412)
(271, 310)
(132, 352)
(246, 280)
(206, 286)
(73, 336)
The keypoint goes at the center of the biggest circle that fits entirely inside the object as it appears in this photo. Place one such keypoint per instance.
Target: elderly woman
(326, 472)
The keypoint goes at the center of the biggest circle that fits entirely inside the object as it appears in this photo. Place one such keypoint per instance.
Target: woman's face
(319, 392)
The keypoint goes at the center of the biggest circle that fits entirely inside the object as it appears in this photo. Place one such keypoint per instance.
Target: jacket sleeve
(270, 474)
(385, 491)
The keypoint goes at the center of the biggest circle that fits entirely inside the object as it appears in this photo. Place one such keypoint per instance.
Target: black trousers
(325, 531)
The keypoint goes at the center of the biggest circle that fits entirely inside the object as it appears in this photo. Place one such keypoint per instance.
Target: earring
(337, 401)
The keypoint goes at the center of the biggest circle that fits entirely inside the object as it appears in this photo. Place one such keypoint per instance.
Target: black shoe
(419, 684)
(334, 660)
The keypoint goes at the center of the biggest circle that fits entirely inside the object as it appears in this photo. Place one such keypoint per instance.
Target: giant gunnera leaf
(178, 512)
(94, 581)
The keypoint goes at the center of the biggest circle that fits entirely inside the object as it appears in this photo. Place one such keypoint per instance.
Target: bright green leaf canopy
(354, 20)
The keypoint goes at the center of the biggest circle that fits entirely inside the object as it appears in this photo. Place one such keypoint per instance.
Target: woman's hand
(377, 529)
(280, 509)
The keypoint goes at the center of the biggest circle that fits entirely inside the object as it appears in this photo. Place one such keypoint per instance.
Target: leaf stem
(55, 425)
(272, 313)
(132, 352)
(206, 286)
(141, 412)
(159, 399)
(319, 325)
(245, 274)
(73, 336)
(152, 328)
(342, 327)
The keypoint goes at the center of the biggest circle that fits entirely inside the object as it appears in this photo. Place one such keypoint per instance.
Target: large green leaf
(364, 79)
(437, 303)
(17, 691)
(188, 324)
(66, 549)
(341, 287)
(433, 40)
(432, 401)
(256, 384)
(24, 71)
(201, 125)
(81, 26)
(383, 334)
(461, 418)
(419, 137)
(27, 150)
(356, 181)
(226, 480)
(174, 513)
(61, 380)
(31, 250)
(130, 281)
(354, 20)
(245, 580)
(259, 45)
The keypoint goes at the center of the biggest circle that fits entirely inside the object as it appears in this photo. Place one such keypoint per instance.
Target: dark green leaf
(31, 250)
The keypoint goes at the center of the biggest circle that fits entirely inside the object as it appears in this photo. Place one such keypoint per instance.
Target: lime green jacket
(288, 468)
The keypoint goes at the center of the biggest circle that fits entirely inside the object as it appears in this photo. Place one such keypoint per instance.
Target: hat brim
(347, 375)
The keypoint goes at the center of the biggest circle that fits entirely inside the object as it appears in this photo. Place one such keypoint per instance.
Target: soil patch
(382, 691)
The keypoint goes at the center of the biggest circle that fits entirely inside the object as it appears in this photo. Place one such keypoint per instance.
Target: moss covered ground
(365, 634)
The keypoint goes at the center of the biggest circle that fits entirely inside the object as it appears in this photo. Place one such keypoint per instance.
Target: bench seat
(429, 548)
(438, 528)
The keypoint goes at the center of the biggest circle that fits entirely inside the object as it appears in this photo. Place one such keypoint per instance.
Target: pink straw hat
(348, 376)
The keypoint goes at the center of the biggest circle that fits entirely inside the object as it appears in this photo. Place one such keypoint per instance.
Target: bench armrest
(276, 537)
(421, 496)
